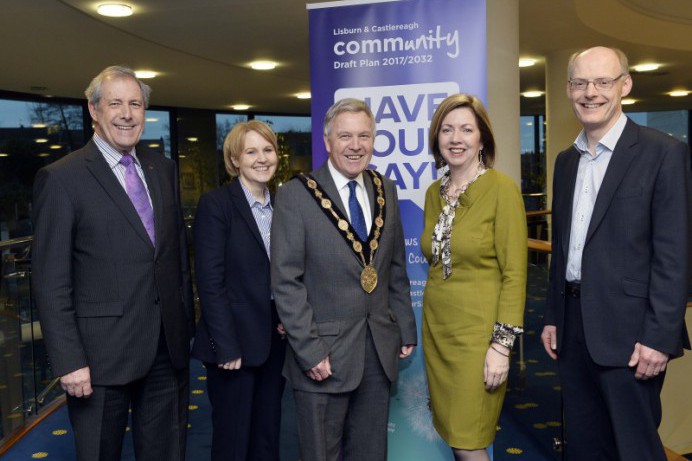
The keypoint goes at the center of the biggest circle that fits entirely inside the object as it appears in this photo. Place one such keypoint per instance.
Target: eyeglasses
(579, 84)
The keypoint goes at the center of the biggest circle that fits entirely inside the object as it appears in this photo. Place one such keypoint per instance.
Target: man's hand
(77, 383)
(549, 339)
(406, 351)
(232, 364)
(321, 371)
(649, 362)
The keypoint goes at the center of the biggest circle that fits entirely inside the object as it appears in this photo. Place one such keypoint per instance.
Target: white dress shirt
(341, 182)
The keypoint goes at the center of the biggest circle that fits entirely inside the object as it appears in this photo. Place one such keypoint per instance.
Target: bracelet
(498, 351)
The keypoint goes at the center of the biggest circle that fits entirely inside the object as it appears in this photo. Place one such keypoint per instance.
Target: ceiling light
(532, 94)
(628, 101)
(56, 146)
(192, 139)
(38, 125)
(263, 65)
(154, 145)
(44, 154)
(303, 95)
(240, 107)
(146, 73)
(4, 154)
(41, 140)
(114, 10)
(152, 119)
(526, 62)
(679, 93)
(182, 156)
(646, 67)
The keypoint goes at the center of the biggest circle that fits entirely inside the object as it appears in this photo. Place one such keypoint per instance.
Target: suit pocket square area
(635, 288)
(99, 309)
(629, 192)
(328, 328)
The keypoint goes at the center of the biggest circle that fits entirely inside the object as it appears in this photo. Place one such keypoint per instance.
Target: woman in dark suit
(239, 338)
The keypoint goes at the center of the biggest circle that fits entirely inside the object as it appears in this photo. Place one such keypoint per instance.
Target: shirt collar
(111, 155)
(252, 201)
(609, 140)
(342, 181)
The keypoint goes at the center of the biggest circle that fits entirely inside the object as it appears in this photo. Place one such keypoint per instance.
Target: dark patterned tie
(357, 218)
(138, 195)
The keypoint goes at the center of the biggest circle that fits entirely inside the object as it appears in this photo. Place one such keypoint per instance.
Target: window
(32, 135)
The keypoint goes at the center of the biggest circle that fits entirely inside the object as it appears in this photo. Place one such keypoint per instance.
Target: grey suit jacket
(102, 290)
(316, 285)
(635, 258)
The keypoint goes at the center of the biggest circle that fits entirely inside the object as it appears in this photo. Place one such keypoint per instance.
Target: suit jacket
(316, 283)
(635, 259)
(232, 271)
(101, 288)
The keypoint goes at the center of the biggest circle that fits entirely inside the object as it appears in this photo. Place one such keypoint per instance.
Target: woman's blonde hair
(234, 143)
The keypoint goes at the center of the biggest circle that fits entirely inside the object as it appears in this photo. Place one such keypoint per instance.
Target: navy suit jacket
(636, 256)
(232, 272)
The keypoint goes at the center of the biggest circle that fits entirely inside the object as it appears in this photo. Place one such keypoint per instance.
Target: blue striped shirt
(113, 156)
(262, 212)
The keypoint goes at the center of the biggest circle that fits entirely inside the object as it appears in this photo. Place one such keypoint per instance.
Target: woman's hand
(232, 365)
(496, 366)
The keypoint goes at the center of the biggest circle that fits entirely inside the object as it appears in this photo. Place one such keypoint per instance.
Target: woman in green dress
(473, 307)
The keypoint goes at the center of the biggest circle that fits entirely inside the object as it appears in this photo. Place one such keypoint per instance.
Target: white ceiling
(202, 47)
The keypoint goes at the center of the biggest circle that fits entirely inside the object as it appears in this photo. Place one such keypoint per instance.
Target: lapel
(326, 182)
(623, 155)
(99, 168)
(151, 174)
(239, 200)
(567, 199)
(324, 178)
(370, 189)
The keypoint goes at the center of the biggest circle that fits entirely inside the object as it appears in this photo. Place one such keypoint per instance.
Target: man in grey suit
(341, 290)
(111, 281)
(619, 270)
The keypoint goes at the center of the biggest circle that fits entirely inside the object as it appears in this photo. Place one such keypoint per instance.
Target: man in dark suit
(111, 281)
(618, 276)
(341, 290)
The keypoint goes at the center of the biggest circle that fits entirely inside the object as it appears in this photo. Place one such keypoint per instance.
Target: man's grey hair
(622, 58)
(347, 105)
(93, 91)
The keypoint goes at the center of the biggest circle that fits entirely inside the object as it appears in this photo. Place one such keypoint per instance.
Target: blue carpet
(529, 421)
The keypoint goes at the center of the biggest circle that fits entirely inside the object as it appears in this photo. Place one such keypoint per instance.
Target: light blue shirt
(262, 212)
(591, 171)
(112, 157)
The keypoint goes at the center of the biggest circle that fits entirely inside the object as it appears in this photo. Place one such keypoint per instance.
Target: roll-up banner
(403, 58)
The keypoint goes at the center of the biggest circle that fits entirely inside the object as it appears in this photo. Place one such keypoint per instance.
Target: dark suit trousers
(353, 422)
(609, 415)
(159, 404)
(246, 408)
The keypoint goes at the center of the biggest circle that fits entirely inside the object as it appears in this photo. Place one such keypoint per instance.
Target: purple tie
(138, 195)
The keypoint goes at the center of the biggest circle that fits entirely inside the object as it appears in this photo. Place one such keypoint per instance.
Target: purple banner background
(403, 58)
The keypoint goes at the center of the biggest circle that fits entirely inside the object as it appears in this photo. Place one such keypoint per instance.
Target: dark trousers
(352, 422)
(246, 408)
(159, 403)
(609, 415)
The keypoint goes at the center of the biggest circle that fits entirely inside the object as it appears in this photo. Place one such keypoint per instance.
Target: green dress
(487, 285)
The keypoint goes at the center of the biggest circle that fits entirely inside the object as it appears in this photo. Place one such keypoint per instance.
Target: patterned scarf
(441, 237)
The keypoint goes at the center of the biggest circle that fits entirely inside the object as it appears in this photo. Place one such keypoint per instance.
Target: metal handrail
(16, 242)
